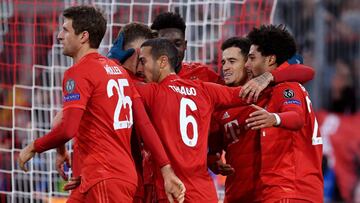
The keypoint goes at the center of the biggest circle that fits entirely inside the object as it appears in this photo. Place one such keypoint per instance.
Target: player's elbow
(298, 123)
(292, 120)
(67, 132)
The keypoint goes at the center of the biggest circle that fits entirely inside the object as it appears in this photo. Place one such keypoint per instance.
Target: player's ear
(163, 61)
(84, 37)
(271, 60)
(185, 44)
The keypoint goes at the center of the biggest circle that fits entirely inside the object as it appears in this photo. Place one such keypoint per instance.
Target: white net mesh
(28, 107)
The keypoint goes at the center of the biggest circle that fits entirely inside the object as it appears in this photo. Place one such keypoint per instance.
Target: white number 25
(122, 102)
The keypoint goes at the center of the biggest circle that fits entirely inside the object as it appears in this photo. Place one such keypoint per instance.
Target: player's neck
(165, 73)
(82, 52)
(272, 67)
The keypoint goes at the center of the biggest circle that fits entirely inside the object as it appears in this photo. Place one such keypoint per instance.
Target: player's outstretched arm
(291, 70)
(62, 155)
(57, 137)
(261, 118)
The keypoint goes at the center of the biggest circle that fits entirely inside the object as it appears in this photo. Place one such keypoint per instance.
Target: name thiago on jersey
(184, 90)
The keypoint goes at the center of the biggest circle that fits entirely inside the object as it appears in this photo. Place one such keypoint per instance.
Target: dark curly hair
(169, 20)
(273, 40)
(90, 19)
(240, 42)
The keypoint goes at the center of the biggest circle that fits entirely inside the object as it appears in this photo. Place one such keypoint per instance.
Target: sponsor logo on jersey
(71, 97)
(288, 93)
(292, 101)
(226, 115)
(70, 86)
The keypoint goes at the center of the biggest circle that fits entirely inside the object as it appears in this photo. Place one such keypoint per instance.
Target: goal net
(32, 66)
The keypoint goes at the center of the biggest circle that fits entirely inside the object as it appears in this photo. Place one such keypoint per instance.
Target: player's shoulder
(289, 90)
(196, 66)
(286, 85)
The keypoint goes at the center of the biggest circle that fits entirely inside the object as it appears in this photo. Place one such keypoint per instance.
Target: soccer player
(171, 26)
(100, 102)
(181, 110)
(291, 147)
(232, 135)
(125, 50)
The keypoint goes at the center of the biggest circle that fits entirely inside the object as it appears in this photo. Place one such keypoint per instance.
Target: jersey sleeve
(293, 73)
(77, 89)
(289, 100)
(61, 133)
(211, 74)
(146, 92)
(223, 96)
(151, 139)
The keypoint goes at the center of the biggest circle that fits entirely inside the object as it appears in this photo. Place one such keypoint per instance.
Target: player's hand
(260, 119)
(174, 188)
(296, 59)
(117, 51)
(73, 183)
(252, 89)
(25, 155)
(62, 158)
(217, 166)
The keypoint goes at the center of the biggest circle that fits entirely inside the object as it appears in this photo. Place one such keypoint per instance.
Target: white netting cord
(205, 22)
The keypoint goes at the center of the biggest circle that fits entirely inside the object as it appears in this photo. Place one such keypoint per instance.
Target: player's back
(291, 159)
(181, 112)
(105, 92)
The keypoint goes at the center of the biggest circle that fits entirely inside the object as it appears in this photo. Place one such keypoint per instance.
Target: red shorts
(76, 196)
(288, 200)
(111, 190)
(149, 194)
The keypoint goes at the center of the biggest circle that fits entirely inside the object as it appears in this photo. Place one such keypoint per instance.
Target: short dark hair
(240, 42)
(134, 31)
(273, 40)
(169, 20)
(160, 47)
(90, 19)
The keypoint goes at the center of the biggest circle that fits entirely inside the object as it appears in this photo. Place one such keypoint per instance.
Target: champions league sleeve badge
(288, 93)
(69, 88)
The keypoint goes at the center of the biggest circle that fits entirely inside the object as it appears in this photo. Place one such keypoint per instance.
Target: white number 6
(186, 120)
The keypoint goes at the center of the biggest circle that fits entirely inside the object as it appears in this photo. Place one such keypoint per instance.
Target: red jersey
(194, 71)
(181, 112)
(105, 92)
(291, 159)
(242, 151)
